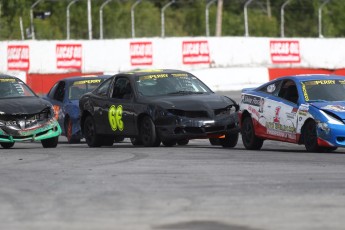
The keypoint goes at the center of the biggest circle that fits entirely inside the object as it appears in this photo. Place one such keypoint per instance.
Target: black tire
(50, 143)
(230, 140)
(214, 141)
(183, 142)
(310, 137)
(249, 139)
(91, 137)
(68, 132)
(136, 141)
(148, 133)
(7, 145)
(169, 143)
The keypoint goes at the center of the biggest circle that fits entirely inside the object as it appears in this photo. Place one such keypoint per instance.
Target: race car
(65, 95)
(157, 106)
(302, 109)
(24, 116)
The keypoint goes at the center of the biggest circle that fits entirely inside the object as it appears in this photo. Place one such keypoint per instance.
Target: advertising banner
(285, 52)
(69, 56)
(195, 52)
(18, 57)
(141, 53)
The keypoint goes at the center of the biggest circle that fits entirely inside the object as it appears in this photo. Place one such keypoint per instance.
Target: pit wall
(225, 63)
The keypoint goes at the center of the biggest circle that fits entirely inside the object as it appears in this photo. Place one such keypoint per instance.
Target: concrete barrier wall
(223, 63)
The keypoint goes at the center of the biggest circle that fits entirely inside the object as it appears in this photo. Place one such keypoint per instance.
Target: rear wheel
(148, 133)
(68, 132)
(50, 142)
(249, 139)
(229, 141)
(91, 137)
(7, 145)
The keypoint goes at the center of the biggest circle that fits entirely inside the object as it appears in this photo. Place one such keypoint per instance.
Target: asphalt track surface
(194, 187)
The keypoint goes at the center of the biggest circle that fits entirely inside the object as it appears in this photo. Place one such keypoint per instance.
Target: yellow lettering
(87, 82)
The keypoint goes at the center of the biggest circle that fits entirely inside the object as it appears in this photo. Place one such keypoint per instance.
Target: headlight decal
(332, 119)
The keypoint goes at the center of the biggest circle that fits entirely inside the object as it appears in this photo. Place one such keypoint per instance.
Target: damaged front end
(28, 127)
(179, 124)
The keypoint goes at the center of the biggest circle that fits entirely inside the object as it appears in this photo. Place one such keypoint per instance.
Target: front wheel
(229, 141)
(68, 132)
(91, 137)
(249, 139)
(50, 142)
(148, 133)
(7, 145)
(310, 137)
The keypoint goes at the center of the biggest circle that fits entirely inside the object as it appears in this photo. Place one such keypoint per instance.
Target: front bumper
(47, 130)
(192, 128)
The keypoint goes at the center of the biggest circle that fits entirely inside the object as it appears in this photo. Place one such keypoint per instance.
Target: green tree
(183, 18)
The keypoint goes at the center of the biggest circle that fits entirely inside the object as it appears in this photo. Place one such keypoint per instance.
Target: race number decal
(115, 117)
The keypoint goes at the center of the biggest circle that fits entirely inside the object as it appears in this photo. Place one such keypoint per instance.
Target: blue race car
(303, 109)
(64, 96)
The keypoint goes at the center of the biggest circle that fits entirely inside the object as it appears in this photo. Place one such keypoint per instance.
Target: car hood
(25, 105)
(336, 108)
(193, 102)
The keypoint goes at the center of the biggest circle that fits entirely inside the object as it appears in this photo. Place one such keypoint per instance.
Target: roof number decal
(271, 88)
(115, 117)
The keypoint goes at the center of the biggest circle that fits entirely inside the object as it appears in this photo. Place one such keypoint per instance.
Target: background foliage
(183, 18)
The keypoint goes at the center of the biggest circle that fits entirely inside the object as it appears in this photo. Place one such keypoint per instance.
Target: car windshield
(11, 87)
(170, 84)
(78, 88)
(324, 90)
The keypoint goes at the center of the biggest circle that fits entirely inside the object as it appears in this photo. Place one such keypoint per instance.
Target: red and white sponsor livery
(18, 57)
(69, 56)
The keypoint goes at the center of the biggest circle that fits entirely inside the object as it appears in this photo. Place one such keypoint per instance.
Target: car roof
(8, 76)
(78, 78)
(308, 77)
(144, 72)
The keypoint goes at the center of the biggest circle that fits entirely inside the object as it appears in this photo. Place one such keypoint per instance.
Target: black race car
(154, 106)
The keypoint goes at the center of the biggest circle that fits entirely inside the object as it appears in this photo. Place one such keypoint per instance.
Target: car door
(282, 110)
(99, 100)
(119, 110)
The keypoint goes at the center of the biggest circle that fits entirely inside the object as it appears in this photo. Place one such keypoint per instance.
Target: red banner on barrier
(285, 51)
(141, 53)
(69, 56)
(18, 57)
(195, 52)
